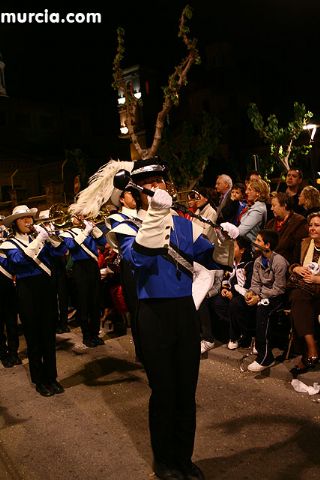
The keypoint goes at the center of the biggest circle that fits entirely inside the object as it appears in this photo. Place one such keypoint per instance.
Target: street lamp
(313, 127)
(3, 92)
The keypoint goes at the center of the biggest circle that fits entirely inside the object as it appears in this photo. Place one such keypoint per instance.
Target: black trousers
(38, 314)
(59, 275)
(9, 336)
(86, 276)
(263, 328)
(169, 338)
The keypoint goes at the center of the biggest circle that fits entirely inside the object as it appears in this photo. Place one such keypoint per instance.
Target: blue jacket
(29, 258)
(159, 275)
(81, 246)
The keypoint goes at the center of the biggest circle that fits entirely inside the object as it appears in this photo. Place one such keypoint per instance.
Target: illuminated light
(313, 127)
(137, 95)
(121, 100)
(124, 130)
(310, 126)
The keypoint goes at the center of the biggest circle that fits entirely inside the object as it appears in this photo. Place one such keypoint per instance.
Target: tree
(188, 149)
(283, 141)
(176, 81)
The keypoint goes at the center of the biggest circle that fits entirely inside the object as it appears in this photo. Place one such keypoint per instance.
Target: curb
(241, 357)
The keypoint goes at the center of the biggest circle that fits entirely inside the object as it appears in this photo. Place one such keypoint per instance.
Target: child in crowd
(266, 294)
(238, 193)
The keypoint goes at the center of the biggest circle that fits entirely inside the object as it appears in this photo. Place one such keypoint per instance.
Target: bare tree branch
(171, 93)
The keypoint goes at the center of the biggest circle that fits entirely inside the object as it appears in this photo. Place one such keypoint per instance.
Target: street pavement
(248, 425)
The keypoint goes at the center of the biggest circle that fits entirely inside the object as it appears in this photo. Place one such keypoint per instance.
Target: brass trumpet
(182, 196)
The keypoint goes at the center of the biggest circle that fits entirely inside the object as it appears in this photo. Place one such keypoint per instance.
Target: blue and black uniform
(30, 261)
(83, 249)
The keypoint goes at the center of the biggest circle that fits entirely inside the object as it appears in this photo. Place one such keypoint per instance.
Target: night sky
(276, 44)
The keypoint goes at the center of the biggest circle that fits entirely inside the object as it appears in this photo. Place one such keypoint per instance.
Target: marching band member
(9, 335)
(83, 244)
(59, 275)
(30, 259)
(161, 251)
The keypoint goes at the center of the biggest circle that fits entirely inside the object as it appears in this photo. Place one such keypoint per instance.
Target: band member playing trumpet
(9, 336)
(30, 258)
(59, 274)
(83, 241)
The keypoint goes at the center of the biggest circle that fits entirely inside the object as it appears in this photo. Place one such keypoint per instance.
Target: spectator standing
(205, 209)
(226, 209)
(293, 181)
(238, 195)
(309, 199)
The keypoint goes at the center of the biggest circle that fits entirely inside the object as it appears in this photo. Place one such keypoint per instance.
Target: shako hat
(149, 168)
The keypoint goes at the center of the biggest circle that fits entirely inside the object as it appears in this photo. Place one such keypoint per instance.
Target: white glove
(42, 233)
(161, 199)
(231, 230)
(89, 227)
(314, 268)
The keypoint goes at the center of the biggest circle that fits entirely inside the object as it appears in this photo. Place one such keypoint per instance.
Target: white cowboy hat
(20, 211)
(44, 215)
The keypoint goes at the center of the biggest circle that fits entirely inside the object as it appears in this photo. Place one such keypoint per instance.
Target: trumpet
(100, 218)
(183, 197)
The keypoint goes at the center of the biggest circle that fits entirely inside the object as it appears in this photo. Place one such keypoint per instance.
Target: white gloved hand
(42, 233)
(231, 230)
(314, 268)
(161, 199)
(89, 227)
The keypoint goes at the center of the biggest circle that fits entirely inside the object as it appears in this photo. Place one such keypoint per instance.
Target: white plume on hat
(100, 188)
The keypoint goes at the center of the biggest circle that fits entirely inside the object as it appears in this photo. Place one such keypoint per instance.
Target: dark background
(275, 46)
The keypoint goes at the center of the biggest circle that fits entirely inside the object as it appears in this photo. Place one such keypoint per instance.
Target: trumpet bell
(183, 197)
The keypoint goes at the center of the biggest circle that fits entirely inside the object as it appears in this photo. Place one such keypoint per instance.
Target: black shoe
(64, 329)
(308, 364)
(192, 472)
(164, 472)
(89, 342)
(7, 362)
(44, 390)
(97, 340)
(55, 387)
(15, 359)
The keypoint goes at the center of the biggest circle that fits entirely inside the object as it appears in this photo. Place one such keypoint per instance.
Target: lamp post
(3, 92)
(312, 127)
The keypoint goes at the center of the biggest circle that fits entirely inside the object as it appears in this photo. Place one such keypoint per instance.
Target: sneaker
(205, 346)
(80, 348)
(233, 345)
(257, 367)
